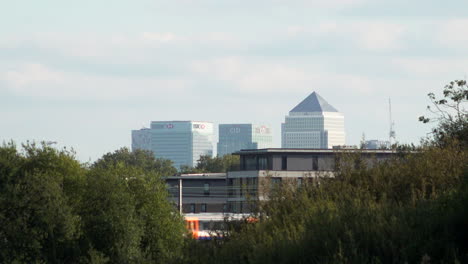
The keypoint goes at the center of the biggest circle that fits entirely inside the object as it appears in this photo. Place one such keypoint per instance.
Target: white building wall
(202, 141)
(334, 125)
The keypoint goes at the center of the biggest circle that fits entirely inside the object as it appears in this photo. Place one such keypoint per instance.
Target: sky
(85, 73)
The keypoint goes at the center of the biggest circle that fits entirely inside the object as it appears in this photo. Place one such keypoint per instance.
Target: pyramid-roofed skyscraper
(313, 123)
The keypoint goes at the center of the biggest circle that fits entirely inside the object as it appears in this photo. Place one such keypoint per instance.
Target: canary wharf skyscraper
(182, 142)
(234, 137)
(313, 123)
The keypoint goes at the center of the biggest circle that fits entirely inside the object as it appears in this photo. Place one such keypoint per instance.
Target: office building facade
(182, 142)
(141, 139)
(234, 137)
(313, 123)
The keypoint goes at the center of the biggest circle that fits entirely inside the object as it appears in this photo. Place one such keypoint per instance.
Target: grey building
(201, 192)
(182, 142)
(313, 123)
(261, 168)
(234, 137)
(141, 139)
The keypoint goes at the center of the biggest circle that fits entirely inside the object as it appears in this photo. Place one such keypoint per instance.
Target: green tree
(404, 210)
(450, 113)
(139, 158)
(38, 195)
(127, 216)
(207, 164)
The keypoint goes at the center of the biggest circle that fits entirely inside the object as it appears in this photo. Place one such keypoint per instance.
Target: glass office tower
(313, 123)
(182, 142)
(234, 137)
(141, 139)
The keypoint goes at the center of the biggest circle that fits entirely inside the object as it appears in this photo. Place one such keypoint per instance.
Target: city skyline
(84, 74)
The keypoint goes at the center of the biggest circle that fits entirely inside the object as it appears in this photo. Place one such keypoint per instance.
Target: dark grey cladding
(314, 103)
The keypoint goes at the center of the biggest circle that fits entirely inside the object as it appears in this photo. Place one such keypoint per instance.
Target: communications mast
(391, 134)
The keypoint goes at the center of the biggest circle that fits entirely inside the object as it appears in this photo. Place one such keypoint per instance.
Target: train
(207, 226)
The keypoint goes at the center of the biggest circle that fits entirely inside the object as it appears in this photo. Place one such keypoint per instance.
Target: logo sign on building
(234, 130)
(199, 126)
(163, 126)
(262, 130)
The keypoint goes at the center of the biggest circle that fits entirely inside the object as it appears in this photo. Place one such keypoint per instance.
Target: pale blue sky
(85, 73)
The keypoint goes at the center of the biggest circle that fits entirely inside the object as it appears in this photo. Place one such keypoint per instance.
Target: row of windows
(206, 188)
(204, 208)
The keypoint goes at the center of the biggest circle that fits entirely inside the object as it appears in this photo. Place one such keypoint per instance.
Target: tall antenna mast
(391, 134)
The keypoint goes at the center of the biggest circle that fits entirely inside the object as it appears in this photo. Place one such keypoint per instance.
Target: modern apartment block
(234, 137)
(201, 192)
(182, 142)
(260, 169)
(313, 123)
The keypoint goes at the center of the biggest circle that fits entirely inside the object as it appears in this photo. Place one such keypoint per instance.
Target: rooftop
(314, 103)
(295, 150)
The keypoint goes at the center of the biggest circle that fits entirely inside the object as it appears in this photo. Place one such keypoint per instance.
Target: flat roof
(180, 121)
(305, 150)
(195, 176)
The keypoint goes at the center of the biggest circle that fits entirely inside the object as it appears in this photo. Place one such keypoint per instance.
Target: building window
(192, 208)
(314, 163)
(206, 189)
(251, 163)
(275, 181)
(284, 163)
(262, 163)
(299, 182)
(203, 208)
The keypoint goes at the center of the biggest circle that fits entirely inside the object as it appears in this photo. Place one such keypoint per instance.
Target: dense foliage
(409, 210)
(213, 164)
(55, 210)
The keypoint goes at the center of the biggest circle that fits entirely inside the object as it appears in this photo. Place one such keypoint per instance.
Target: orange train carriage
(197, 225)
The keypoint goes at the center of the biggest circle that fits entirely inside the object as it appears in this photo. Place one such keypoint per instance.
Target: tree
(53, 209)
(127, 216)
(39, 191)
(139, 158)
(450, 113)
(208, 164)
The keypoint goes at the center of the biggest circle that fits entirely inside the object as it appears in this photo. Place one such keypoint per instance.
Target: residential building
(234, 137)
(313, 123)
(201, 192)
(262, 168)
